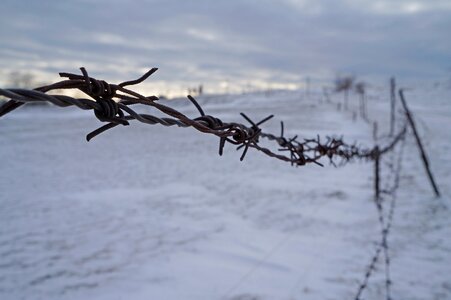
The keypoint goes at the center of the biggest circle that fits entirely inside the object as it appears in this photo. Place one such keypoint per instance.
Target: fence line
(111, 104)
(380, 194)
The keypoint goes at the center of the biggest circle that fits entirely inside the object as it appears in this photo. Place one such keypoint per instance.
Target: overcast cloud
(240, 42)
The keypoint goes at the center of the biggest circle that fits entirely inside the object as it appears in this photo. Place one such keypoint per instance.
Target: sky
(226, 45)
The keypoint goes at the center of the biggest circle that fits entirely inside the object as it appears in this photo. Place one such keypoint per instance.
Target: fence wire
(112, 103)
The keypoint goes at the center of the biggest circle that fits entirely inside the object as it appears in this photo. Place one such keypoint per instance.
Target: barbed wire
(111, 104)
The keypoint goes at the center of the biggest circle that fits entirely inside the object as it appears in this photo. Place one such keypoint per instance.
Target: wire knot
(91, 86)
(109, 111)
(210, 121)
(98, 88)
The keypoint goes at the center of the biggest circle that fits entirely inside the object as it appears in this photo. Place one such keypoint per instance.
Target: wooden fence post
(346, 95)
(392, 105)
(375, 131)
(377, 174)
(420, 145)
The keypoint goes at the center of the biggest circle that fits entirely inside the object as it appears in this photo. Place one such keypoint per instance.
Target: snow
(149, 212)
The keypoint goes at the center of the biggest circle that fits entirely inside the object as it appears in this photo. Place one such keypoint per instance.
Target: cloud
(389, 7)
(235, 41)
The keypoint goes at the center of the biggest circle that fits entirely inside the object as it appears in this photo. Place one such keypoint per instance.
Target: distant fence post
(376, 174)
(363, 105)
(307, 88)
(326, 95)
(375, 130)
(346, 92)
(420, 145)
(365, 110)
(392, 105)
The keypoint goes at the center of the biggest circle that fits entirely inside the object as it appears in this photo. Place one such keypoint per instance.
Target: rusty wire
(111, 104)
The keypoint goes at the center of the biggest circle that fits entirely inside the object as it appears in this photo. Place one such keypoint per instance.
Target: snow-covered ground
(150, 212)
